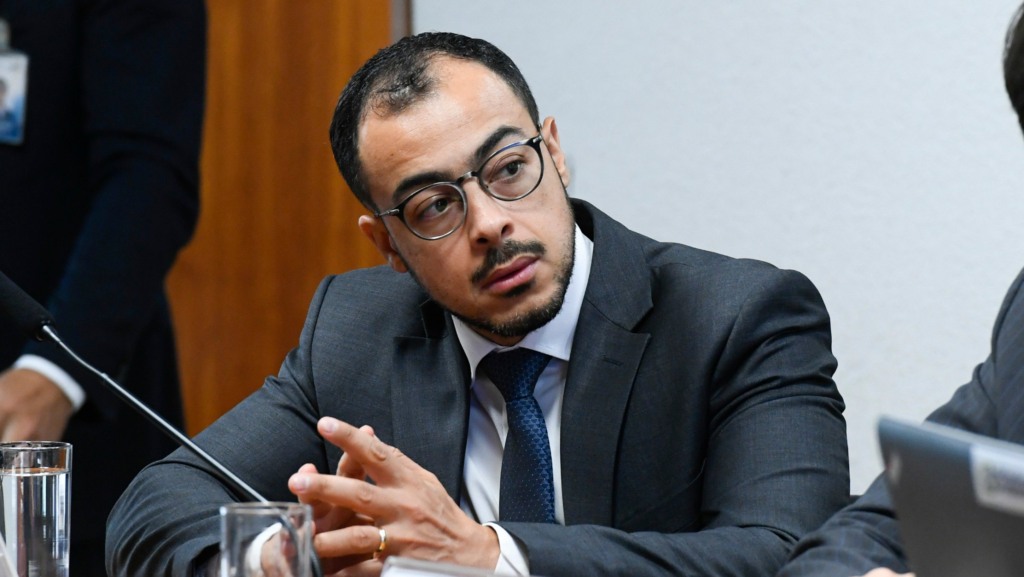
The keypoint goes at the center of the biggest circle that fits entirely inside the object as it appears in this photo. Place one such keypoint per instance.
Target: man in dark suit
(688, 419)
(95, 203)
(864, 537)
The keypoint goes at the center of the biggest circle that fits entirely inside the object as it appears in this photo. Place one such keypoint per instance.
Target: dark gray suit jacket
(701, 430)
(865, 535)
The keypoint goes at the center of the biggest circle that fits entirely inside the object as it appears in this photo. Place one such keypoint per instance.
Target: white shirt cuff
(72, 390)
(512, 559)
(254, 554)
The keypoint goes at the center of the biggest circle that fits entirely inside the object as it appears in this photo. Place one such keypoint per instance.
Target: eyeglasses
(437, 210)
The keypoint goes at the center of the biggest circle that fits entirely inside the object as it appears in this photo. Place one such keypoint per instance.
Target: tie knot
(514, 372)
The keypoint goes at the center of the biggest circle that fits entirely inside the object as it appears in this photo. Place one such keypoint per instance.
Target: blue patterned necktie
(527, 484)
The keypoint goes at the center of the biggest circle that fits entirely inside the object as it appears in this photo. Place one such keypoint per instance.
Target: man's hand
(32, 407)
(886, 573)
(326, 516)
(276, 556)
(407, 501)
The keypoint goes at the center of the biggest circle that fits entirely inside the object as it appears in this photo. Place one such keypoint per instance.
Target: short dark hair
(1013, 64)
(399, 76)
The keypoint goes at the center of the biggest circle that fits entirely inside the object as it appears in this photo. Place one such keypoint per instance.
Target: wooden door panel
(276, 216)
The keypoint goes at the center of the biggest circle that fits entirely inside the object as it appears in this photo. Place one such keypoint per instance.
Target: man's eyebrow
(416, 182)
(485, 149)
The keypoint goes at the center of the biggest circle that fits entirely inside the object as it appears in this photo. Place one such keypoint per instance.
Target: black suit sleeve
(866, 535)
(142, 81)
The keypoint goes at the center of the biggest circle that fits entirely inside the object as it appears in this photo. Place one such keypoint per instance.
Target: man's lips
(515, 273)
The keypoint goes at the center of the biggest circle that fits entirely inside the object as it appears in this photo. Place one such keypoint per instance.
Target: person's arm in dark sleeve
(866, 535)
(143, 84)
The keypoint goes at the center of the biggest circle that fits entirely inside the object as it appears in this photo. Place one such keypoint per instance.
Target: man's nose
(487, 218)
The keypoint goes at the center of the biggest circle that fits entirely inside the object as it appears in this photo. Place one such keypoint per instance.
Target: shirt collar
(554, 338)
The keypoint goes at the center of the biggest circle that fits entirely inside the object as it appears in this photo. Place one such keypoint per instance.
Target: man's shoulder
(382, 276)
(678, 262)
(699, 278)
(377, 287)
(366, 307)
(673, 257)
(680, 271)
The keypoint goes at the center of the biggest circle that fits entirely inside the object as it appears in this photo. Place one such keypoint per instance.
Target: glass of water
(266, 539)
(35, 508)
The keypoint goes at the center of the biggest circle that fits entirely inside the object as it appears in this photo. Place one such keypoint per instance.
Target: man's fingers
(11, 433)
(21, 429)
(353, 494)
(320, 508)
(326, 515)
(348, 466)
(381, 462)
(360, 567)
(32, 407)
(363, 540)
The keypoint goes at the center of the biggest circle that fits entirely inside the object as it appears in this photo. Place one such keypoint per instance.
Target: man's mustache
(498, 256)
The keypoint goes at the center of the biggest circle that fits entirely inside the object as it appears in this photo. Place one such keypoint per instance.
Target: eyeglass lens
(510, 174)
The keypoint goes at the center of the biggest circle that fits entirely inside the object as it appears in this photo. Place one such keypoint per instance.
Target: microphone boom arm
(236, 483)
(36, 322)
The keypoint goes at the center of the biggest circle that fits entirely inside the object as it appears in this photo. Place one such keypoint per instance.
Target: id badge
(13, 92)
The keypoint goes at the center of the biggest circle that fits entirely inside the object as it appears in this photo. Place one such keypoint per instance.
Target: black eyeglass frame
(399, 210)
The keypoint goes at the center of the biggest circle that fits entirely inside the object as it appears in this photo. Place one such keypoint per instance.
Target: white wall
(868, 144)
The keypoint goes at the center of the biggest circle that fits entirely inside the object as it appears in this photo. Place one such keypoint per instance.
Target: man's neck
(554, 338)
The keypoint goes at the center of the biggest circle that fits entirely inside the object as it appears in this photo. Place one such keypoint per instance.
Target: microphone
(35, 321)
(29, 316)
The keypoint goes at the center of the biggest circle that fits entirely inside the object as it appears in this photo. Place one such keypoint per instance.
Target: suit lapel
(429, 401)
(430, 384)
(600, 379)
(606, 355)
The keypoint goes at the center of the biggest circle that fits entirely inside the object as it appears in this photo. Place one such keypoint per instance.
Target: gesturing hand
(406, 500)
(32, 407)
(326, 516)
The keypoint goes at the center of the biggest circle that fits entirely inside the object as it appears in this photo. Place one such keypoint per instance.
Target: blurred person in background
(864, 538)
(96, 200)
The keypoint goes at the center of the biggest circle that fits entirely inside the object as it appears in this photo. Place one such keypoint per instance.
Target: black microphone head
(29, 316)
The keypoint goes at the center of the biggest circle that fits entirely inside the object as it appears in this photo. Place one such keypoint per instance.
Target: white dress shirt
(488, 425)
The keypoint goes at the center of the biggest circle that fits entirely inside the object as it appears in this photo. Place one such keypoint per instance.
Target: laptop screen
(959, 499)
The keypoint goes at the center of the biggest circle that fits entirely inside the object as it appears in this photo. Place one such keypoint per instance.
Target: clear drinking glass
(272, 539)
(35, 498)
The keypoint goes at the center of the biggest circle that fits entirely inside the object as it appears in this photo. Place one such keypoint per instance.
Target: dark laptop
(959, 498)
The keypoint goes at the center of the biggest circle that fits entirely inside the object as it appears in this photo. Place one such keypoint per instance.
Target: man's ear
(550, 131)
(374, 229)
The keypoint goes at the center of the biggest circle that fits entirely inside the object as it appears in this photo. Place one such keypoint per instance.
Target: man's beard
(523, 323)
